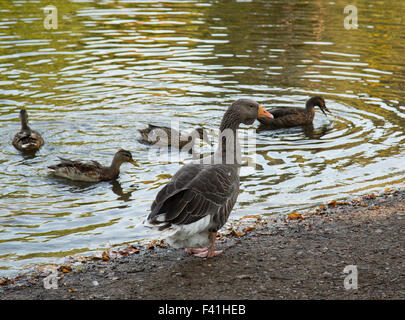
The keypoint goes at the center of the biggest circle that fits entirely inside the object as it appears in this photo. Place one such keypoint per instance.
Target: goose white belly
(193, 235)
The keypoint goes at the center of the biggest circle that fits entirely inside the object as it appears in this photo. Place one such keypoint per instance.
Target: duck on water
(286, 117)
(27, 140)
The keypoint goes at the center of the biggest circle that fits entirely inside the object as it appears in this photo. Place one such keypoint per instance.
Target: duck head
(123, 156)
(318, 101)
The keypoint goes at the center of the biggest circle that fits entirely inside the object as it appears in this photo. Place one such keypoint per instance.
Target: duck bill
(264, 114)
(325, 109)
(132, 161)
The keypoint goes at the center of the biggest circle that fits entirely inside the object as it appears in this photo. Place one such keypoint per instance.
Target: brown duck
(168, 137)
(27, 140)
(290, 117)
(91, 171)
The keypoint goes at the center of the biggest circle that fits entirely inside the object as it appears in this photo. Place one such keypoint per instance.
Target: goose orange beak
(264, 114)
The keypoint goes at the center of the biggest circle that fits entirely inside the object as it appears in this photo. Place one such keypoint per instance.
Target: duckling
(291, 117)
(91, 171)
(167, 137)
(27, 140)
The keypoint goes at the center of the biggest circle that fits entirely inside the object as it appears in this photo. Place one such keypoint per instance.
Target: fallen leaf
(105, 256)
(65, 269)
(5, 281)
(332, 203)
(254, 216)
(133, 250)
(236, 233)
(71, 290)
(295, 216)
(247, 229)
(129, 250)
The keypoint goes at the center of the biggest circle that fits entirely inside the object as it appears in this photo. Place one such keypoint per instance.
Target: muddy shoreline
(302, 256)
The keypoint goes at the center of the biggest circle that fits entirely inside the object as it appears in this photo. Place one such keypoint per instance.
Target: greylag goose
(291, 117)
(91, 171)
(197, 201)
(27, 140)
(168, 137)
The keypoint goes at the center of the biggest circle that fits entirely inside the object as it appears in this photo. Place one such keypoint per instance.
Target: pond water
(112, 67)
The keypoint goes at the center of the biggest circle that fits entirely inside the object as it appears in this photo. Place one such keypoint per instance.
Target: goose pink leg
(209, 252)
(195, 250)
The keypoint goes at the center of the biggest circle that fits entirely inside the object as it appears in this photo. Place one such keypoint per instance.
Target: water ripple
(112, 68)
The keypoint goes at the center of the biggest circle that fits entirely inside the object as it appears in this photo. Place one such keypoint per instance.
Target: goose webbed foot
(206, 252)
(195, 250)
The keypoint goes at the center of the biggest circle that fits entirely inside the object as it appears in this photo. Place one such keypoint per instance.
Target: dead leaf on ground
(65, 269)
(236, 233)
(247, 229)
(128, 250)
(254, 216)
(335, 203)
(295, 216)
(5, 281)
(332, 203)
(105, 256)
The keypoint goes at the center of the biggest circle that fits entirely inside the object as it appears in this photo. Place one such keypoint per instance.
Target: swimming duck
(91, 171)
(197, 201)
(27, 140)
(167, 137)
(291, 117)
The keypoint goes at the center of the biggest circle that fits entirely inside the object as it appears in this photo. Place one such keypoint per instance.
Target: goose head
(244, 111)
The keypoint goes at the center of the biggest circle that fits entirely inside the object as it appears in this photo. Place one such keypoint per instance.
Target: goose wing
(194, 192)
